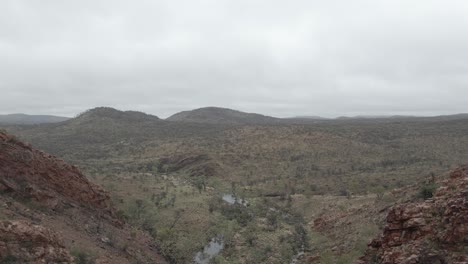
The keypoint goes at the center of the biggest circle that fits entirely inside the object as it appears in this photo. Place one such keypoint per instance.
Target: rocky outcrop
(430, 231)
(23, 242)
(39, 188)
(32, 174)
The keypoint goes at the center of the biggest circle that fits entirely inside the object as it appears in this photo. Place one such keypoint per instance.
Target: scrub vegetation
(317, 190)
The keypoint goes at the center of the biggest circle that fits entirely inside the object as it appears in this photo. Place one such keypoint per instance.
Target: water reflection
(231, 199)
(209, 251)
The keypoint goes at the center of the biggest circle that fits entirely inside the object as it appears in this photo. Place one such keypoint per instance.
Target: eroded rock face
(40, 188)
(33, 174)
(432, 231)
(23, 242)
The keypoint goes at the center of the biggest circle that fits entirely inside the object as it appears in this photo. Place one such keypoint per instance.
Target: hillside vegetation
(169, 177)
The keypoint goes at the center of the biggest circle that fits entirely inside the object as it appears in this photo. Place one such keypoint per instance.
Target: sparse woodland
(322, 188)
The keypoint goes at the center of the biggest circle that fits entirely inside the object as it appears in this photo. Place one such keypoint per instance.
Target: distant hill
(309, 117)
(23, 119)
(403, 117)
(218, 115)
(112, 113)
(304, 119)
(104, 125)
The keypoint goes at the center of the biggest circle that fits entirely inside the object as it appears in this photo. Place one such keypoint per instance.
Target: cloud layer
(281, 58)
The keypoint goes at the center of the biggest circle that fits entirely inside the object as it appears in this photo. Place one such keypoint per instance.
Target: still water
(209, 251)
(231, 199)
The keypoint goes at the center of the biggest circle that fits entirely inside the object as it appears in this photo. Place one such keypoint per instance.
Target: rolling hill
(23, 119)
(217, 115)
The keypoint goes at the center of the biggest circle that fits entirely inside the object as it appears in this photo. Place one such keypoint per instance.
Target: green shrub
(427, 191)
(82, 257)
(9, 259)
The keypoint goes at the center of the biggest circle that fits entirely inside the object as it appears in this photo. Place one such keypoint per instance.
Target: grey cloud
(279, 58)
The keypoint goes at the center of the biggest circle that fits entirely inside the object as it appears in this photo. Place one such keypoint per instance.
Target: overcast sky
(281, 58)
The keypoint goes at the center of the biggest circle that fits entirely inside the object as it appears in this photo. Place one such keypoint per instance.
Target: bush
(237, 212)
(9, 259)
(427, 191)
(82, 257)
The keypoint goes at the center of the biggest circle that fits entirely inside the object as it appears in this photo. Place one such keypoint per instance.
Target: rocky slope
(23, 242)
(33, 174)
(430, 231)
(50, 209)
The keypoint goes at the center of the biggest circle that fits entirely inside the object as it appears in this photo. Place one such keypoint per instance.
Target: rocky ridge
(30, 173)
(430, 231)
(49, 208)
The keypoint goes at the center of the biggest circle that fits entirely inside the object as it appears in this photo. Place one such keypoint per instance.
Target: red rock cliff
(431, 231)
(30, 173)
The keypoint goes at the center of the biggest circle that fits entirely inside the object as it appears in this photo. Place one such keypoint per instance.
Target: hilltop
(218, 115)
(23, 119)
(112, 113)
(102, 132)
